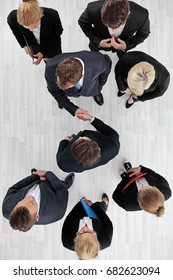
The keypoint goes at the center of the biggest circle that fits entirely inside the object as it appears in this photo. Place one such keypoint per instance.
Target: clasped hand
(117, 44)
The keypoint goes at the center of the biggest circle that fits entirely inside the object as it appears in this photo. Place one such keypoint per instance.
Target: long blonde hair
(86, 246)
(140, 77)
(29, 12)
(152, 201)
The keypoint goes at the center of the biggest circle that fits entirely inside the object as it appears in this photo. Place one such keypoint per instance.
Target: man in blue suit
(77, 74)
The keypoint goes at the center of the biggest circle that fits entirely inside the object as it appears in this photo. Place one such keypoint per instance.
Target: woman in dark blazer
(37, 30)
(142, 189)
(142, 76)
(87, 235)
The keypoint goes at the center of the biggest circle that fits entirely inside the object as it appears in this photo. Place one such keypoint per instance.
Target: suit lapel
(127, 26)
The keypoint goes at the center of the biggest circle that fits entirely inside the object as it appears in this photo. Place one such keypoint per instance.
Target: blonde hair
(86, 246)
(140, 77)
(29, 13)
(152, 201)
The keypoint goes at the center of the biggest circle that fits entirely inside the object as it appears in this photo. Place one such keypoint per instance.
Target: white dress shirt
(36, 32)
(141, 182)
(116, 32)
(35, 192)
(86, 221)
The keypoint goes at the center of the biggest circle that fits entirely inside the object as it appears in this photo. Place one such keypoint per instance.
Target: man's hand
(41, 174)
(69, 138)
(134, 171)
(39, 56)
(79, 113)
(118, 44)
(85, 116)
(106, 43)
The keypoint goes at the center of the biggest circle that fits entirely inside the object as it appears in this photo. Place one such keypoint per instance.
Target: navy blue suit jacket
(54, 197)
(96, 70)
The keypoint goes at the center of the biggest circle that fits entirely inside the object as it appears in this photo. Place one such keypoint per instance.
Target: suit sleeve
(14, 189)
(55, 32)
(61, 192)
(118, 195)
(107, 69)
(141, 34)
(62, 146)
(85, 23)
(120, 73)
(107, 131)
(159, 91)
(164, 185)
(107, 224)
(22, 184)
(14, 26)
(57, 93)
(69, 229)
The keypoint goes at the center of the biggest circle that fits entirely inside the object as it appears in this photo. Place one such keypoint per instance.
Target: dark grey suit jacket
(51, 30)
(136, 30)
(128, 198)
(103, 227)
(127, 61)
(96, 70)
(106, 138)
(54, 197)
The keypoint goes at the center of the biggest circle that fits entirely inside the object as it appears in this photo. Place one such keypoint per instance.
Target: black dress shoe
(120, 93)
(60, 106)
(127, 165)
(99, 99)
(105, 196)
(123, 175)
(33, 170)
(129, 105)
(69, 180)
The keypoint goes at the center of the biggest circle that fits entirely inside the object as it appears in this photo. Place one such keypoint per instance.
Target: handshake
(83, 115)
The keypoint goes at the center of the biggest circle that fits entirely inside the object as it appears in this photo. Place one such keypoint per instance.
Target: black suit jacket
(136, 30)
(128, 198)
(54, 197)
(103, 227)
(128, 60)
(96, 70)
(51, 30)
(106, 138)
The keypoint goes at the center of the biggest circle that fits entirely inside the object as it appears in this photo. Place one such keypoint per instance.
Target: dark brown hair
(86, 152)
(68, 71)
(114, 12)
(20, 219)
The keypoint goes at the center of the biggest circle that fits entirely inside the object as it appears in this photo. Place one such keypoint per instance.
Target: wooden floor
(31, 126)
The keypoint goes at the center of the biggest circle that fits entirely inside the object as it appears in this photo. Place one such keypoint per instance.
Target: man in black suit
(42, 38)
(88, 149)
(142, 76)
(77, 74)
(39, 199)
(85, 234)
(142, 189)
(115, 25)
